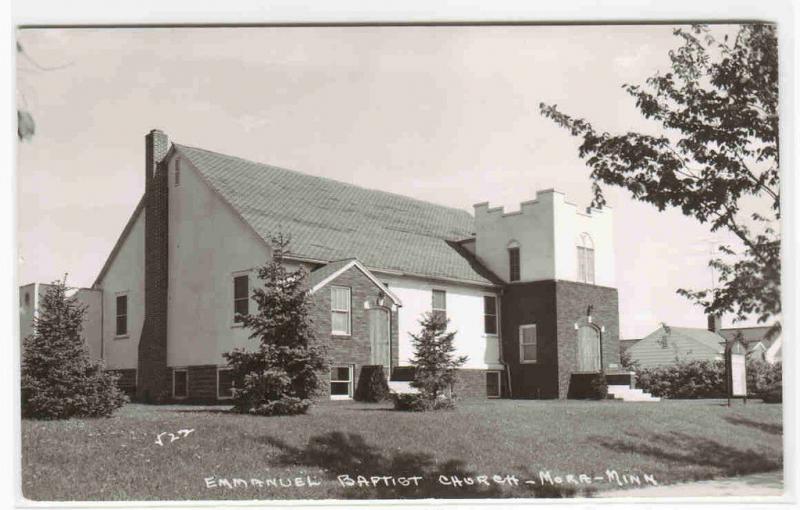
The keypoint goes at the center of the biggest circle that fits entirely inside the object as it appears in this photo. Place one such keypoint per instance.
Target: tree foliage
(59, 380)
(284, 375)
(716, 156)
(435, 362)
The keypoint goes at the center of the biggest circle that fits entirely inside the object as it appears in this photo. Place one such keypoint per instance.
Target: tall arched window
(513, 261)
(585, 259)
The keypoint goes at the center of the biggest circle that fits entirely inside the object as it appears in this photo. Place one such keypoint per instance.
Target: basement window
(180, 383)
(341, 382)
(224, 383)
(493, 384)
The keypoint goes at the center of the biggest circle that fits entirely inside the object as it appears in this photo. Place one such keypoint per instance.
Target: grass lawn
(118, 458)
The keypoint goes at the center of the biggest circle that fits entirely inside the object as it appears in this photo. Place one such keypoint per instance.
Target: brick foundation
(126, 381)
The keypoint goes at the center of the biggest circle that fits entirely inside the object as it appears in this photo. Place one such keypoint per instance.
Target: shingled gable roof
(329, 220)
(323, 275)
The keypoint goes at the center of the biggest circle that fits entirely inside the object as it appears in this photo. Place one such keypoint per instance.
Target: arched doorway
(379, 337)
(589, 352)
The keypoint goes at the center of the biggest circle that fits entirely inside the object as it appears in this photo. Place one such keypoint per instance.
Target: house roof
(327, 273)
(330, 220)
(749, 336)
(702, 336)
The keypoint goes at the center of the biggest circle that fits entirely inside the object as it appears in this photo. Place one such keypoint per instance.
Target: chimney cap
(157, 131)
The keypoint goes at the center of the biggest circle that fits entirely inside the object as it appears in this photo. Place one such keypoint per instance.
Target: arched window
(585, 259)
(513, 261)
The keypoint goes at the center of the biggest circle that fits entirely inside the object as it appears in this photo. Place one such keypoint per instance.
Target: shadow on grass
(769, 428)
(339, 453)
(689, 450)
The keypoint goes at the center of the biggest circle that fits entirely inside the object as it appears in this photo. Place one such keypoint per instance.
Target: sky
(444, 114)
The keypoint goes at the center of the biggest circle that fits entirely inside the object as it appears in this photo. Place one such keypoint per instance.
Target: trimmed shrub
(59, 380)
(599, 387)
(372, 385)
(684, 379)
(416, 402)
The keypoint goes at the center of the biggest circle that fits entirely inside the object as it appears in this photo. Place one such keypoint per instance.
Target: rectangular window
(341, 382)
(224, 383)
(122, 315)
(490, 315)
(585, 264)
(180, 383)
(340, 310)
(177, 172)
(513, 264)
(527, 343)
(493, 384)
(439, 304)
(241, 297)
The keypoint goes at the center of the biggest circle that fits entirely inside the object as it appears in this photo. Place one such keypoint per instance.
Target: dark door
(379, 337)
(588, 349)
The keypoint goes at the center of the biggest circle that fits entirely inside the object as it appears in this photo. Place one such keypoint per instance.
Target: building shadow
(691, 451)
(769, 428)
(349, 454)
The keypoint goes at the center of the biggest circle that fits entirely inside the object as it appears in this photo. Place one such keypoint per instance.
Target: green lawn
(118, 458)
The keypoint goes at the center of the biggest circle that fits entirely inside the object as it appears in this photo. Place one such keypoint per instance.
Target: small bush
(764, 381)
(372, 385)
(416, 402)
(598, 387)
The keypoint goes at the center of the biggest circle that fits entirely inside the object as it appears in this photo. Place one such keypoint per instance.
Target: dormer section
(547, 239)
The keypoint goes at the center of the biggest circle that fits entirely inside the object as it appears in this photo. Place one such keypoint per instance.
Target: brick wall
(572, 303)
(356, 348)
(126, 381)
(531, 303)
(154, 377)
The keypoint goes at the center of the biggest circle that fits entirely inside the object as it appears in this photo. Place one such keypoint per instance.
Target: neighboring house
(626, 344)
(29, 303)
(530, 293)
(759, 345)
(668, 343)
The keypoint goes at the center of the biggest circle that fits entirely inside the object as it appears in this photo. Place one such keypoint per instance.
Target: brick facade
(354, 349)
(154, 377)
(555, 307)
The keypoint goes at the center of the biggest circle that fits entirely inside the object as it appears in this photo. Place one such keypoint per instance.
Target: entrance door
(379, 337)
(588, 349)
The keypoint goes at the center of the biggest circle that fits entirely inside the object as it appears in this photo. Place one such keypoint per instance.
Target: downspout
(500, 348)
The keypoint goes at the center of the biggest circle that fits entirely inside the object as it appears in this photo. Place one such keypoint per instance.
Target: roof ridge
(405, 197)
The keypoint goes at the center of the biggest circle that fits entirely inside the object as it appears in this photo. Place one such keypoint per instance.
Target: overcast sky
(444, 114)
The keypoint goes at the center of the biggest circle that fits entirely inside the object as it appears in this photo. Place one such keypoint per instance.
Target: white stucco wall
(209, 244)
(570, 222)
(464, 309)
(547, 230)
(125, 275)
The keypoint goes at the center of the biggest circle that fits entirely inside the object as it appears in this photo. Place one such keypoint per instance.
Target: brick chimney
(714, 323)
(154, 378)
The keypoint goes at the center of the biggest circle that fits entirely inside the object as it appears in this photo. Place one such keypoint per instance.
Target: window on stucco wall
(122, 315)
(585, 259)
(490, 315)
(439, 304)
(241, 297)
(513, 264)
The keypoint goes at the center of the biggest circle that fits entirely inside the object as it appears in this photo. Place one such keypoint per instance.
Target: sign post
(736, 370)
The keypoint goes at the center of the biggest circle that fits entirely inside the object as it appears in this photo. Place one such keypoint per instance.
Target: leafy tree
(434, 361)
(283, 375)
(716, 159)
(59, 379)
